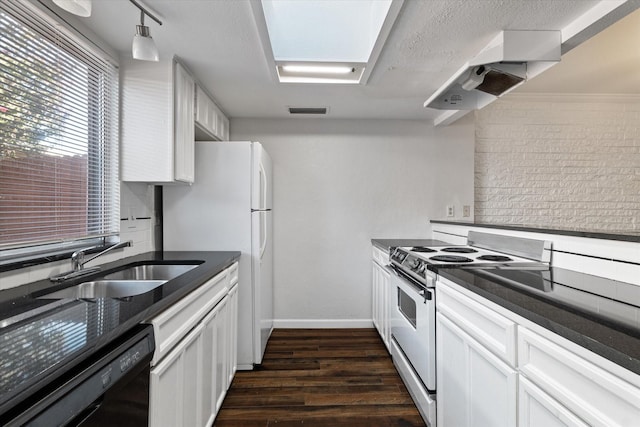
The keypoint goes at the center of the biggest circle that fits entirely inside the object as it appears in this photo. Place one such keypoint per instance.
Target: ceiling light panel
(317, 72)
(315, 69)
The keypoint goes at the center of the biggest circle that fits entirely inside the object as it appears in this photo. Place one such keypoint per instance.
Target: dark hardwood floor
(320, 378)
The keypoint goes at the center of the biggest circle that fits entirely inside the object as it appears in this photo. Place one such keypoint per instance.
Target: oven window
(407, 306)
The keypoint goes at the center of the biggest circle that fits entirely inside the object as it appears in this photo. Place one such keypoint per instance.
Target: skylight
(325, 41)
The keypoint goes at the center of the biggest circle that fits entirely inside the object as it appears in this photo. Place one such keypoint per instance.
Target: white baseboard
(322, 323)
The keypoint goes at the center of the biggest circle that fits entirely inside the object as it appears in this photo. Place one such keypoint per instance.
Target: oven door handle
(427, 295)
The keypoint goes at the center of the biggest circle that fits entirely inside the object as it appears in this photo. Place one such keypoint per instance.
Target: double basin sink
(125, 282)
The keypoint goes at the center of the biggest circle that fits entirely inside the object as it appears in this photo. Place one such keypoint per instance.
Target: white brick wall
(569, 162)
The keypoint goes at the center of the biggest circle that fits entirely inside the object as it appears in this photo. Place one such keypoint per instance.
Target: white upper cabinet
(211, 123)
(157, 133)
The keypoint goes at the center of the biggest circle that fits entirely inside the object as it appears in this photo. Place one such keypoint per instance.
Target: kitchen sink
(150, 272)
(126, 282)
(106, 289)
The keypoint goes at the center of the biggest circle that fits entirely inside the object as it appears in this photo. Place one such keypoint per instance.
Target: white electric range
(413, 309)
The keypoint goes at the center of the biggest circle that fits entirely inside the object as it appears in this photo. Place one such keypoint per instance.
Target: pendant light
(77, 7)
(143, 46)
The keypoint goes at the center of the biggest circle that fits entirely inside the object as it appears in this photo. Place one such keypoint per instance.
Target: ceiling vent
(308, 110)
(509, 60)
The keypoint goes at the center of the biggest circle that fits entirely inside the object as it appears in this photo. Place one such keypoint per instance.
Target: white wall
(339, 183)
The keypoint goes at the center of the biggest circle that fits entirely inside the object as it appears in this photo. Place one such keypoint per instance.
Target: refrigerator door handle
(263, 185)
(263, 232)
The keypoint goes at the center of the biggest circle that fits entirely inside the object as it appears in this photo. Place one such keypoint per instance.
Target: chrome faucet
(78, 261)
(77, 258)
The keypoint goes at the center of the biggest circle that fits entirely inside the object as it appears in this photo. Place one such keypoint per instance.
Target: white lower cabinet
(189, 383)
(537, 409)
(380, 296)
(380, 307)
(553, 382)
(221, 356)
(475, 388)
(182, 370)
(232, 336)
(591, 392)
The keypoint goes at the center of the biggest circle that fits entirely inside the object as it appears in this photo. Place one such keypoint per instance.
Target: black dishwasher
(109, 389)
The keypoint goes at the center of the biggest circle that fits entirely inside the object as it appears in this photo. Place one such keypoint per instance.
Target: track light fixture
(143, 47)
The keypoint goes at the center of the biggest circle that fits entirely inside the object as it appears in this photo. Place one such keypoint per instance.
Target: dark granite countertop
(627, 236)
(385, 244)
(599, 314)
(41, 339)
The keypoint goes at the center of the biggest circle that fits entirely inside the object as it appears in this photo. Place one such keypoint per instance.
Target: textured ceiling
(219, 42)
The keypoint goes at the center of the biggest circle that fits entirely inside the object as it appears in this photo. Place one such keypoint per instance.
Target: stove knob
(420, 268)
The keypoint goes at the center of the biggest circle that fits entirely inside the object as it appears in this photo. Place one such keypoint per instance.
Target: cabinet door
(219, 354)
(375, 297)
(175, 389)
(184, 136)
(222, 353)
(537, 409)
(202, 108)
(232, 326)
(475, 388)
(380, 302)
(385, 309)
(212, 379)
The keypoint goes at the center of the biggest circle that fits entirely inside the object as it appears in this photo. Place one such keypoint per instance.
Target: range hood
(509, 60)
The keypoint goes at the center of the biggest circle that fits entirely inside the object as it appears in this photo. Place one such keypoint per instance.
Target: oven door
(413, 317)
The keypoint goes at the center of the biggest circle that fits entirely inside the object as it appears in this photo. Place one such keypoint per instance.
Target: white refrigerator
(229, 208)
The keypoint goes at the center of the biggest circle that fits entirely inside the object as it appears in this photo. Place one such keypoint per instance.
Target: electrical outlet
(450, 210)
(466, 211)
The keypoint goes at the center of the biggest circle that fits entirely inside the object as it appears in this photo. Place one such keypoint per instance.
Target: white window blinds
(58, 133)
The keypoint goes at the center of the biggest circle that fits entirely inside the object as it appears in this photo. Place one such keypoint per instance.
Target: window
(58, 136)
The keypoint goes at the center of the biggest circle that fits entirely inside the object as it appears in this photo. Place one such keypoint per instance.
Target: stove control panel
(416, 265)
(398, 255)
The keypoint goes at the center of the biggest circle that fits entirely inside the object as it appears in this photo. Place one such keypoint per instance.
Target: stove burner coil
(459, 250)
(450, 258)
(498, 258)
(422, 249)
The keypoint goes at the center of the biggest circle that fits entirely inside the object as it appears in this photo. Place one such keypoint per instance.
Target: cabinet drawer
(174, 323)
(233, 274)
(537, 409)
(588, 390)
(380, 256)
(491, 329)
